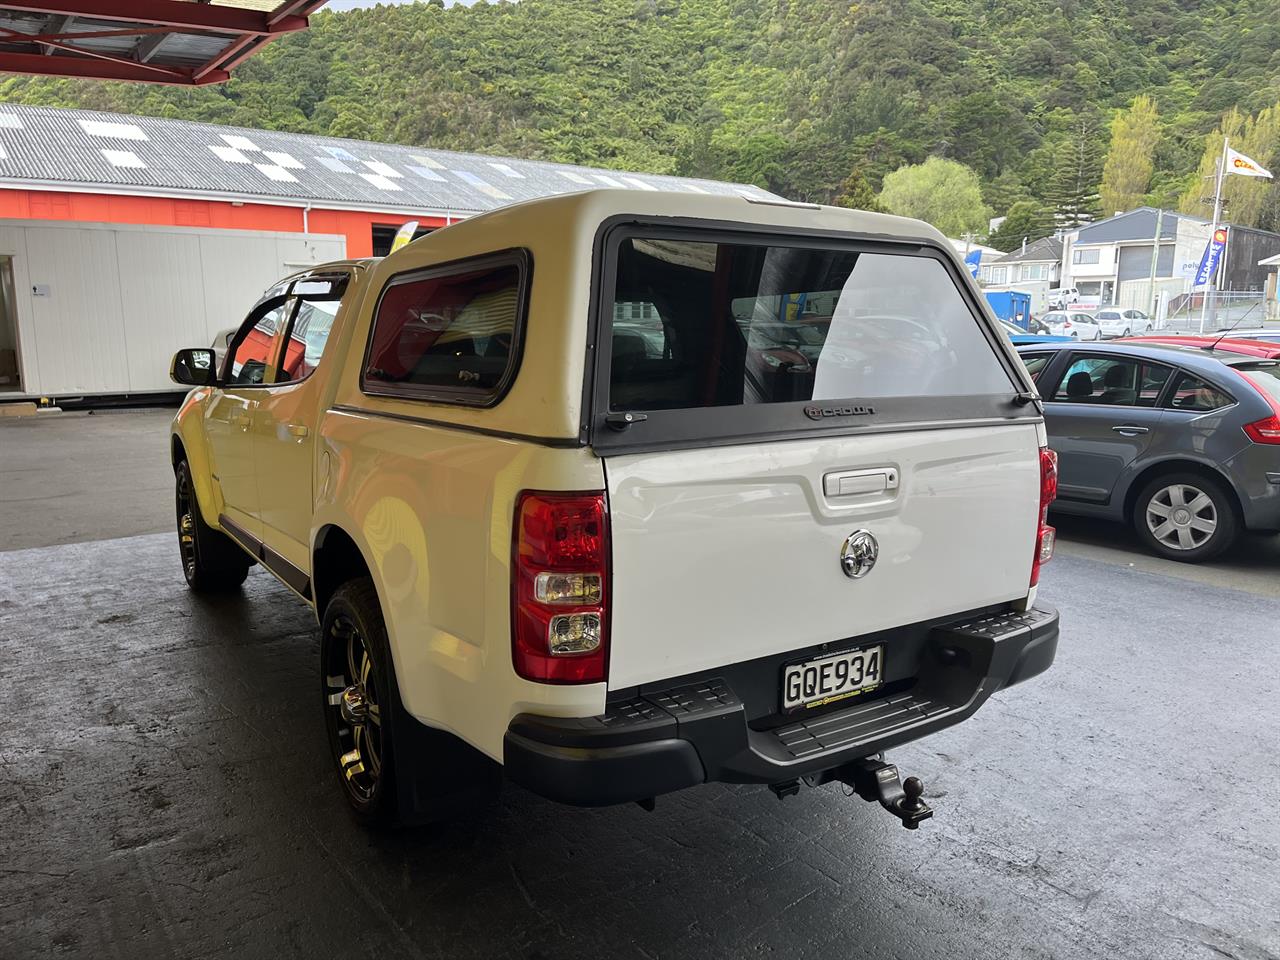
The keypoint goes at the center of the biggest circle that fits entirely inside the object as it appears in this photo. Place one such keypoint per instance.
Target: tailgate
(733, 553)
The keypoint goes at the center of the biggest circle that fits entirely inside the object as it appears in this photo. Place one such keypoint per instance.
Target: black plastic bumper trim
(662, 741)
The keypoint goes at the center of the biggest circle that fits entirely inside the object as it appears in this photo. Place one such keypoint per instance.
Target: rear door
(1102, 413)
(759, 402)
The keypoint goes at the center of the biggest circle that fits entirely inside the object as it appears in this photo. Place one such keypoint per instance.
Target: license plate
(827, 679)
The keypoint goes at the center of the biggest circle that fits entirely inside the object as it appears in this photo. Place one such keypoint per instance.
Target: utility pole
(1155, 255)
(1212, 287)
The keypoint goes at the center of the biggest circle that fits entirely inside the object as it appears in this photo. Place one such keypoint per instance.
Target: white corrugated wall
(101, 308)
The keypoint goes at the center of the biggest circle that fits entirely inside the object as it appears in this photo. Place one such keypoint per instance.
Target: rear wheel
(358, 687)
(1126, 333)
(211, 561)
(1186, 517)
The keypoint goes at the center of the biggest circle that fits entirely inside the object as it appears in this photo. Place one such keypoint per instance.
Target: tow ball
(874, 780)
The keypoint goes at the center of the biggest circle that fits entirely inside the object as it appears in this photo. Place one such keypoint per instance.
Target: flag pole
(1212, 287)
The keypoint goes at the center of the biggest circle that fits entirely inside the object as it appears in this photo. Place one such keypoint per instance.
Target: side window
(1114, 381)
(1035, 364)
(319, 299)
(251, 358)
(1192, 393)
(448, 335)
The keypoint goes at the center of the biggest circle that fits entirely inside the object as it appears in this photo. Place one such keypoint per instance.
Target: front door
(1101, 415)
(287, 413)
(229, 417)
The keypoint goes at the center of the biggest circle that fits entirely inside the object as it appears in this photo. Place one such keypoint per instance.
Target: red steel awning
(151, 41)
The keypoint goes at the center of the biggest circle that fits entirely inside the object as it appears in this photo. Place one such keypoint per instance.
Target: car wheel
(1186, 517)
(211, 561)
(1075, 335)
(358, 686)
(1126, 333)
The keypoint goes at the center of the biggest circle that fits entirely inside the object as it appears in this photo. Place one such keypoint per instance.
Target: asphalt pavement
(165, 788)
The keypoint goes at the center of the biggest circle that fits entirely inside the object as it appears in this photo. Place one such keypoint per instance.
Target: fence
(1210, 312)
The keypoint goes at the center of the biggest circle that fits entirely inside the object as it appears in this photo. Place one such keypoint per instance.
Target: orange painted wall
(356, 225)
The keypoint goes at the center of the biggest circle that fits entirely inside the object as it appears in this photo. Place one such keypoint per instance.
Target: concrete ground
(165, 788)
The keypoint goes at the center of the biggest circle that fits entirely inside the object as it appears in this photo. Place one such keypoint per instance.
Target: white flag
(1239, 163)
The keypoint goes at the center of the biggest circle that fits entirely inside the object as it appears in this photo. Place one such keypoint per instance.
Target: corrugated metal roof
(84, 150)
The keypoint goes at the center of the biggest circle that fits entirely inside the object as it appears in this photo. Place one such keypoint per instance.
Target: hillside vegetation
(815, 99)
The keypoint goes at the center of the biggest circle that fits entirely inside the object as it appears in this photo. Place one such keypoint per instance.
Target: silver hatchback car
(1182, 443)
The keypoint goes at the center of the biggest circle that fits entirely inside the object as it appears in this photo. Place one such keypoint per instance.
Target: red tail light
(560, 587)
(1045, 534)
(1266, 430)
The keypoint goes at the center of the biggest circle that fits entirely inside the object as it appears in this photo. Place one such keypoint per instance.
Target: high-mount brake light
(560, 587)
(1045, 534)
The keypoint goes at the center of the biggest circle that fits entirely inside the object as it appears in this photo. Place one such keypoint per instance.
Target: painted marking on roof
(482, 185)
(276, 173)
(383, 169)
(239, 142)
(124, 158)
(340, 153)
(507, 171)
(4, 154)
(639, 184)
(575, 177)
(426, 161)
(382, 183)
(229, 154)
(117, 131)
(334, 164)
(288, 161)
(607, 180)
(426, 173)
(12, 121)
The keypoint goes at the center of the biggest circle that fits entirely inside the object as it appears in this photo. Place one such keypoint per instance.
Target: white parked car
(560, 519)
(1063, 297)
(1073, 323)
(1122, 321)
(1266, 334)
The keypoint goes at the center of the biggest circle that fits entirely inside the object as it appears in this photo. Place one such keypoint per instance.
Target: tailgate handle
(853, 483)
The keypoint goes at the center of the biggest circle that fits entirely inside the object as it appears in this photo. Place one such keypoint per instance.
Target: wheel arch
(1179, 465)
(336, 558)
(185, 443)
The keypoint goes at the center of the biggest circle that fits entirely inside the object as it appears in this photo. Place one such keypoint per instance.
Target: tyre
(1186, 517)
(211, 561)
(358, 685)
(1127, 332)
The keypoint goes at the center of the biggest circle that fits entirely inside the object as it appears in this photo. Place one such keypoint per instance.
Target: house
(1034, 270)
(1110, 261)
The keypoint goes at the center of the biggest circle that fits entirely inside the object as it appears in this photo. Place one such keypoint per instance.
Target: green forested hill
(796, 95)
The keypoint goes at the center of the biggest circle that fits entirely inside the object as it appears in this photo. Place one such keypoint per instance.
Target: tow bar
(874, 780)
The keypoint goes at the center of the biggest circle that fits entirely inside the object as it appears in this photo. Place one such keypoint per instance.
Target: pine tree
(856, 193)
(1026, 220)
(1073, 188)
(1126, 175)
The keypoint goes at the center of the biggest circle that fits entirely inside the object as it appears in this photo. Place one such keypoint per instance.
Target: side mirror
(193, 367)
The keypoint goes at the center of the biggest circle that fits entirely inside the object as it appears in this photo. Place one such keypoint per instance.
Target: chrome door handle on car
(1128, 430)
(298, 430)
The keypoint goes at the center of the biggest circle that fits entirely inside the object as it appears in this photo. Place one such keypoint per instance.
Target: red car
(1250, 348)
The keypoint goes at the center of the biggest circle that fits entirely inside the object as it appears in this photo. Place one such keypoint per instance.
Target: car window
(307, 337)
(250, 362)
(1035, 363)
(1192, 393)
(757, 323)
(447, 334)
(1109, 315)
(1113, 381)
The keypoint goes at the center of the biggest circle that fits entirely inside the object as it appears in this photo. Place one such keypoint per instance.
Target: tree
(1245, 199)
(857, 194)
(1073, 185)
(942, 192)
(1126, 175)
(1026, 220)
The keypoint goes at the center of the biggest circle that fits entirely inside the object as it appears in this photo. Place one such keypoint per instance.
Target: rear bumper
(659, 741)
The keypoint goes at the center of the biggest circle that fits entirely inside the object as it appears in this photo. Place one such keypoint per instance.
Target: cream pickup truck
(613, 494)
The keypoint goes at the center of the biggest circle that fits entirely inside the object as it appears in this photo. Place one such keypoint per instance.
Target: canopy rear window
(747, 328)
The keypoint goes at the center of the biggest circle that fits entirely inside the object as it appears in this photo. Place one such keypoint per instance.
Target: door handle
(855, 482)
(298, 430)
(1129, 430)
(241, 420)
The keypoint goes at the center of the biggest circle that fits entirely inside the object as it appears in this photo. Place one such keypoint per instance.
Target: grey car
(1182, 443)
